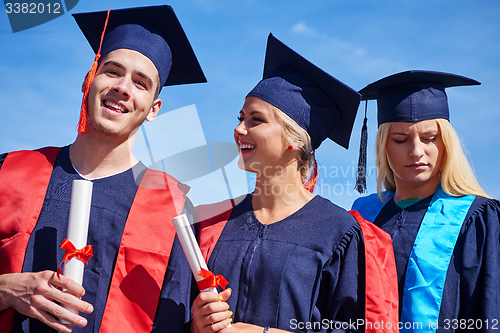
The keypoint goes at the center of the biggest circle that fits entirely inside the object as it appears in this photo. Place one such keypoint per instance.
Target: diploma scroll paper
(191, 248)
(78, 228)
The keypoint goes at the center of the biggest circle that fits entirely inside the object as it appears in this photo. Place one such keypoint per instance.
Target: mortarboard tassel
(361, 175)
(311, 183)
(83, 126)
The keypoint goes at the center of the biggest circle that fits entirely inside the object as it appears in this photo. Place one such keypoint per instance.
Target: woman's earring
(290, 147)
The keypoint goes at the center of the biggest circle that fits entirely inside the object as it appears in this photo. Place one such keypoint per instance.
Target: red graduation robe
(144, 252)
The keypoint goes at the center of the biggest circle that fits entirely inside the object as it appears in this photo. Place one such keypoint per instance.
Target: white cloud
(301, 27)
(345, 54)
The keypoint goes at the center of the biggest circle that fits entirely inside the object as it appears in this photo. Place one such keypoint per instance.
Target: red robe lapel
(381, 286)
(21, 199)
(143, 255)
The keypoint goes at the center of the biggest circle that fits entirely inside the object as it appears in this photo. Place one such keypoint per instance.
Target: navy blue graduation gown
(112, 198)
(471, 295)
(297, 274)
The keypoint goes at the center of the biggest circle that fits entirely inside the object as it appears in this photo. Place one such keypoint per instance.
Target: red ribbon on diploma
(210, 280)
(83, 254)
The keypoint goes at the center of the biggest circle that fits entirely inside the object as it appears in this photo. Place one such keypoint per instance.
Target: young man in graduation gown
(126, 281)
(444, 228)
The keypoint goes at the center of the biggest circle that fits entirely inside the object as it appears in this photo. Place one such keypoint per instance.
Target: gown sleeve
(174, 308)
(480, 267)
(342, 295)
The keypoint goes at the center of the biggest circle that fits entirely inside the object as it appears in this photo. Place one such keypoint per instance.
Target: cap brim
(372, 90)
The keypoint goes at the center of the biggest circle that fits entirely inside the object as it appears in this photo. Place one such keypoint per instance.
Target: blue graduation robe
(303, 273)
(111, 201)
(471, 294)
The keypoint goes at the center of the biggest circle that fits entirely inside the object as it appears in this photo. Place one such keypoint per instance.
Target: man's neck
(95, 158)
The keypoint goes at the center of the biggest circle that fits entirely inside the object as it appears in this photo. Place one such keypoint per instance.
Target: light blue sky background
(356, 41)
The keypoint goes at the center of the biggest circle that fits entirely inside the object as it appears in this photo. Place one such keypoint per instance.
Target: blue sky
(358, 42)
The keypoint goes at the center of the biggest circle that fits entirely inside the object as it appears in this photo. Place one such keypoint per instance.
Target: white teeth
(246, 146)
(113, 105)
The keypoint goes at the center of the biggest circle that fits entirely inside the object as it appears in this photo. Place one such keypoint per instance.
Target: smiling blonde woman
(294, 260)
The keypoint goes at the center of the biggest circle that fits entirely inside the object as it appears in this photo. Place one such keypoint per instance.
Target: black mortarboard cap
(153, 31)
(318, 102)
(413, 96)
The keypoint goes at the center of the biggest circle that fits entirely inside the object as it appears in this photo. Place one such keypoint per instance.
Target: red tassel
(313, 179)
(83, 123)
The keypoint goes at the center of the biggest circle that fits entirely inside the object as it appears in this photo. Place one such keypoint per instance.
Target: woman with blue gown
(445, 229)
(294, 260)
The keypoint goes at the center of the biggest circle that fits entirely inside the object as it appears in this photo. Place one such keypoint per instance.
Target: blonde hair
(293, 133)
(457, 177)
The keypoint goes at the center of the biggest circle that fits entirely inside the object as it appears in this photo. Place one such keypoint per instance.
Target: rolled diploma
(190, 247)
(78, 228)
